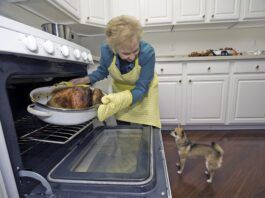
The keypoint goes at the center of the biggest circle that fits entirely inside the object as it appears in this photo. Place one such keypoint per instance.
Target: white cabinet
(170, 92)
(189, 10)
(170, 99)
(206, 99)
(230, 92)
(206, 11)
(224, 10)
(70, 6)
(157, 12)
(125, 7)
(253, 9)
(207, 89)
(97, 12)
(247, 92)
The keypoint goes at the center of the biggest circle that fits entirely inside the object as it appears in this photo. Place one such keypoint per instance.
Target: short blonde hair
(123, 29)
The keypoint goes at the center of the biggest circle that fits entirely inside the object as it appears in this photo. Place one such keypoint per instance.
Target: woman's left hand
(113, 103)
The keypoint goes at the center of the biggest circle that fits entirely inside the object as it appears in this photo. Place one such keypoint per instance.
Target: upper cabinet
(224, 10)
(157, 12)
(206, 11)
(189, 10)
(125, 7)
(71, 6)
(96, 12)
(253, 9)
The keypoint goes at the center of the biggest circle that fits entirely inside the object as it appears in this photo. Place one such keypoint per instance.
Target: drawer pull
(209, 68)
(190, 81)
(161, 69)
(257, 67)
(180, 81)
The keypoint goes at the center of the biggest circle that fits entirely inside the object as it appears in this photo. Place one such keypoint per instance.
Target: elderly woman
(130, 62)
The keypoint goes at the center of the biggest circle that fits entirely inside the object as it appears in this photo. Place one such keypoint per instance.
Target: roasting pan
(53, 115)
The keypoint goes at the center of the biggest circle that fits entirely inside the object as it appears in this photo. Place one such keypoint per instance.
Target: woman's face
(129, 51)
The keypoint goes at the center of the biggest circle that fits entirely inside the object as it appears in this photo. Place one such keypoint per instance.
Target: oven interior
(41, 145)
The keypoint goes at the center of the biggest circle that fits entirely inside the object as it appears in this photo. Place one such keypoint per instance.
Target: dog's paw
(209, 181)
(179, 172)
(206, 172)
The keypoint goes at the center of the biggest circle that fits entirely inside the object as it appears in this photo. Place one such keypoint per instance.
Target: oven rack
(55, 134)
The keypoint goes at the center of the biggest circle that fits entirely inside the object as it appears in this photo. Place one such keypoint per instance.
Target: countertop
(179, 58)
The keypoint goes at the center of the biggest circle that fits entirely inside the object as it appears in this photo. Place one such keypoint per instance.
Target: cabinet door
(71, 6)
(125, 7)
(247, 99)
(224, 10)
(254, 9)
(189, 10)
(98, 12)
(206, 99)
(157, 12)
(170, 99)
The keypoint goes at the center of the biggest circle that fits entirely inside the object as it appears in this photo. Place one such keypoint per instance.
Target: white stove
(21, 39)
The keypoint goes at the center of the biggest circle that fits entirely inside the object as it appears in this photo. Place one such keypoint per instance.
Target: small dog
(212, 153)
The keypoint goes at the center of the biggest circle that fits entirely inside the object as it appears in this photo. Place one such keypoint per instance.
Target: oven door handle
(36, 112)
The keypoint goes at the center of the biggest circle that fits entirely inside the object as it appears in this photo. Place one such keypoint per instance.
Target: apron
(145, 111)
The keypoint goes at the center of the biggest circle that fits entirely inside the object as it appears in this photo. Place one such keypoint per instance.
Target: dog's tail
(218, 148)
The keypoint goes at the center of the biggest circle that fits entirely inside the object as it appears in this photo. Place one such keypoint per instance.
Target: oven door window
(119, 155)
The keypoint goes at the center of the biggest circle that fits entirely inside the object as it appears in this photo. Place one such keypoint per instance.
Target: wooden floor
(242, 174)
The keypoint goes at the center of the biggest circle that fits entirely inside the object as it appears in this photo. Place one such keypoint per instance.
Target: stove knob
(65, 51)
(48, 46)
(84, 56)
(90, 58)
(77, 53)
(31, 43)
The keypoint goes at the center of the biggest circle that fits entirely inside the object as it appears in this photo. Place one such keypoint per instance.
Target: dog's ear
(182, 132)
(179, 131)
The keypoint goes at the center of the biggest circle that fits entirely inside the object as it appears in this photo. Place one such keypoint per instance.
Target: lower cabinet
(230, 92)
(170, 99)
(247, 99)
(206, 99)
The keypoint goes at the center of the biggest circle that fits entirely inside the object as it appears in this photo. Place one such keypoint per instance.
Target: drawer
(253, 66)
(208, 67)
(168, 68)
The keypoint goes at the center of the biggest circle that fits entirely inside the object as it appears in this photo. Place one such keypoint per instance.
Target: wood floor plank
(242, 173)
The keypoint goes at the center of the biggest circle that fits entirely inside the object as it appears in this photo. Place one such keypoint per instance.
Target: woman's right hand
(82, 80)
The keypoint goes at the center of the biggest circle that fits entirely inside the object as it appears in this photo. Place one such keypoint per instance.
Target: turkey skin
(75, 98)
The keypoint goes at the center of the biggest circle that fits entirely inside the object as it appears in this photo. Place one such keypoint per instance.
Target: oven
(92, 159)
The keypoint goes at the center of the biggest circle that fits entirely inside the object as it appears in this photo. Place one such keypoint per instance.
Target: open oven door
(122, 161)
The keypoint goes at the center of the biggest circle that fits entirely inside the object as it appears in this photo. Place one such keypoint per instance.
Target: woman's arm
(105, 61)
(147, 63)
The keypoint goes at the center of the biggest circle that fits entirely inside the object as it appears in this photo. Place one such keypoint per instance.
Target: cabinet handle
(203, 16)
(146, 20)
(212, 15)
(209, 68)
(161, 69)
(88, 18)
(180, 81)
(190, 81)
(257, 67)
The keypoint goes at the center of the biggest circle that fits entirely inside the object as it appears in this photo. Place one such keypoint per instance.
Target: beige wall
(183, 42)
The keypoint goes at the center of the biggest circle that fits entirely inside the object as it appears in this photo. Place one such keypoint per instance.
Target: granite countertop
(180, 58)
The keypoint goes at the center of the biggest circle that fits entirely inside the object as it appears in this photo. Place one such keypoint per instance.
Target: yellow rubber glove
(113, 103)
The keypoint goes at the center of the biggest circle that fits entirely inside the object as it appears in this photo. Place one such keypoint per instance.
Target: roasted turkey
(75, 98)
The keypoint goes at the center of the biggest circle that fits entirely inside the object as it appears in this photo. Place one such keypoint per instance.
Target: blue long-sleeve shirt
(146, 61)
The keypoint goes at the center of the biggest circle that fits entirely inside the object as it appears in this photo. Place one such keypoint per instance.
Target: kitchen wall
(183, 42)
